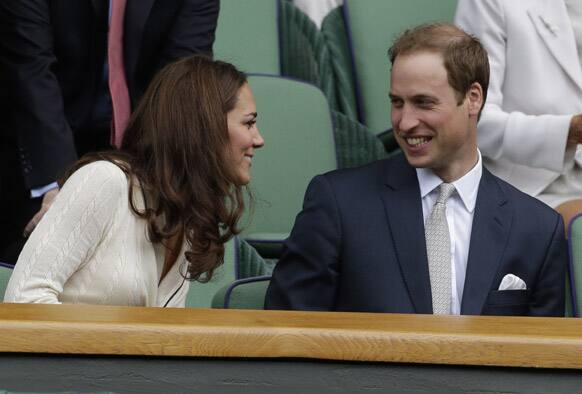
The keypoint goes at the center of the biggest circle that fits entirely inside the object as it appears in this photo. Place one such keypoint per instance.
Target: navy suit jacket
(52, 54)
(359, 245)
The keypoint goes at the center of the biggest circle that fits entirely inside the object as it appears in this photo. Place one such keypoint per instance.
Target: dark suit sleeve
(549, 293)
(306, 277)
(35, 99)
(192, 31)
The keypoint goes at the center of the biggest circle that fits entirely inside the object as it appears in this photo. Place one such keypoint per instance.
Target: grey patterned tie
(438, 250)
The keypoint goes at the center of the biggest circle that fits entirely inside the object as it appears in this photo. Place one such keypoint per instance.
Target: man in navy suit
(365, 240)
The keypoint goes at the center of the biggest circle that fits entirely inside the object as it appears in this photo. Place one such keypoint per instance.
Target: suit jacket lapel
(489, 234)
(402, 203)
(136, 15)
(552, 23)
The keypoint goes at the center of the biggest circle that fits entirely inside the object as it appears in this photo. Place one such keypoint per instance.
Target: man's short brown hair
(465, 59)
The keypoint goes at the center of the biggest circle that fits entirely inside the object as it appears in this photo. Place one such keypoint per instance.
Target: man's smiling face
(432, 128)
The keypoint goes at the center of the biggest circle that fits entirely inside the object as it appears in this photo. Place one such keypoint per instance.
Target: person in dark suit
(429, 231)
(54, 101)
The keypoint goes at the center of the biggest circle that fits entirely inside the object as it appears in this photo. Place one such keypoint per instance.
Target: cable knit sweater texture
(91, 248)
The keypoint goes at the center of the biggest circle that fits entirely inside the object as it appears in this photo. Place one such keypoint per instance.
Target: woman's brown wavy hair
(177, 146)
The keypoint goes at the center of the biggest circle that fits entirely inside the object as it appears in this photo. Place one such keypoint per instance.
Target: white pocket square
(512, 282)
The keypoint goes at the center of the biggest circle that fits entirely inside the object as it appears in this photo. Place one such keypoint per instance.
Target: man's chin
(417, 161)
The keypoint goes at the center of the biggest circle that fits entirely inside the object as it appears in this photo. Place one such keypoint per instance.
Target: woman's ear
(475, 98)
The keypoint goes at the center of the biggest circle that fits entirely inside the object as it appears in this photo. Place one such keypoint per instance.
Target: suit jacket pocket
(507, 303)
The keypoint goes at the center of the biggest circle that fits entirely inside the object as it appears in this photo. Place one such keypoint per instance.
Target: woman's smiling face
(243, 133)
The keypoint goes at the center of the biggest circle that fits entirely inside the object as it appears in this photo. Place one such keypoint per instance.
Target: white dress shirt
(460, 210)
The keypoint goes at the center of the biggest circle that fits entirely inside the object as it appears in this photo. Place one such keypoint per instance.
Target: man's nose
(408, 119)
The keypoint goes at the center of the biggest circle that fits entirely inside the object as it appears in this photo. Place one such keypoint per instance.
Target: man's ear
(475, 98)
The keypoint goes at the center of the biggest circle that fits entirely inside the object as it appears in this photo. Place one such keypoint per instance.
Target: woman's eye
(251, 123)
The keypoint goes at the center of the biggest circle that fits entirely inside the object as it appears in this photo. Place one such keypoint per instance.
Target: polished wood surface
(460, 340)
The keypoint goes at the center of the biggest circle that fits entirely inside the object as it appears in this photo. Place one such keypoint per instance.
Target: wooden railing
(457, 340)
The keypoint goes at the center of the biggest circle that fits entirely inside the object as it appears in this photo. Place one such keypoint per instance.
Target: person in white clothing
(531, 126)
(132, 227)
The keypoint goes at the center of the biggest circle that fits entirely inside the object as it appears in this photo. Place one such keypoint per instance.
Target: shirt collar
(467, 186)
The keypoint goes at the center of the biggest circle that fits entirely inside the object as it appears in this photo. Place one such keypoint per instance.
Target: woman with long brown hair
(131, 227)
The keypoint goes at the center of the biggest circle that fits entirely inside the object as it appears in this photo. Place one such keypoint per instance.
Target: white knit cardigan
(91, 248)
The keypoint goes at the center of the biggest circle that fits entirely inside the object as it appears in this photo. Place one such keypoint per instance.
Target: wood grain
(460, 340)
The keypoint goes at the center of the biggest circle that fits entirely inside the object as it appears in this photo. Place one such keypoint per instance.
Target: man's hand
(575, 133)
(47, 201)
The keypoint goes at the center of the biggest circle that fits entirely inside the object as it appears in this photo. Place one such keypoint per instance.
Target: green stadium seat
(322, 58)
(268, 245)
(574, 300)
(569, 310)
(241, 261)
(247, 36)
(304, 53)
(372, 27)
(333, 29)
(200, 294)
(295, 121)
(243, 294)
(355, 144)
(250, 262)
(5, 273)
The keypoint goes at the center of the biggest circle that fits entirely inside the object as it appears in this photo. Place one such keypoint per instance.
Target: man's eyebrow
(424, 97)
(415, 97)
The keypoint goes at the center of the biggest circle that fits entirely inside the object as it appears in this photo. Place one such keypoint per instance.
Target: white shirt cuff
(40, 191)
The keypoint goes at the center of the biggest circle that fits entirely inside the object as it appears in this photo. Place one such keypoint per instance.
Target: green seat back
(295, 122)
(322, 58)
(243, 294)
(5, 272)
(373, 25)
(334, 32)
(200, 294)
(575, 243)
(569, 310)
(355, 144)
(250, 262)
(305, 54)
(246, 35)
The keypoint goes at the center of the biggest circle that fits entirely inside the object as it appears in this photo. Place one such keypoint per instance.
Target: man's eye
(425, 103)
(396, 103)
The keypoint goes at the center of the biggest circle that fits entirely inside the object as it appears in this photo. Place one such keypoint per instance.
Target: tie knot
(445, 191)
